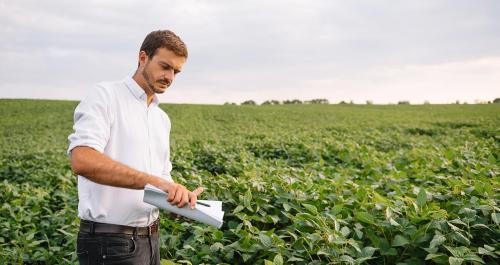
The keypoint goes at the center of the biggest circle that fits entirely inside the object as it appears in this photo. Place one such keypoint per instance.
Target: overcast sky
(384, 51)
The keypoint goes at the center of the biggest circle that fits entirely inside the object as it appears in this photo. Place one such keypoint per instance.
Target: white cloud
(471, 80)
(379, 50)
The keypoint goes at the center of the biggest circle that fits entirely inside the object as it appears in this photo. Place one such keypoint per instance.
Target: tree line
(325, 101)
(284, 102)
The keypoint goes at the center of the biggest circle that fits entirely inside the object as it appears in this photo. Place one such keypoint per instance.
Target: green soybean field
(300, 184)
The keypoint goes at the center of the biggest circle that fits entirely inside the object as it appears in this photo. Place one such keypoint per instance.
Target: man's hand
(180, 195)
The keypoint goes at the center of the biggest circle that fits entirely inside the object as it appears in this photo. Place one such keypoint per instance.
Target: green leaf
(336, 209)
(247, 199)
(187, 246)
(354, 244)
(388, 251)
(347, 259)
(421, 198)
(483, 251)
(323, 252)
(468, 212)
(36, 243)
(489, 248)
(246, 256)
(437, 240)
(431, 250)
(65, 232)
(286, 206)
(358, 232)
(460, 238)
(364, 217)
(295, 259)
(455, 261)
(491, 159)
(495, 217)
(379, 198)
(436, 257)
(311, 208)
(458, 252)
(229, 254)
(167, 262)
(488, 252)
(367, 252)
(278, 259)
(473, 257)
(238, 208)
(400, 241)
(453, 227)
(216, 247)
(268, 262)
(480, 226)
(30, 236)
(266, 241)
(458, 222)
(345, 231)
(393, 222)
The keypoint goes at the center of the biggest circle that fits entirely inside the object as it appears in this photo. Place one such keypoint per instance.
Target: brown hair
(163, 39)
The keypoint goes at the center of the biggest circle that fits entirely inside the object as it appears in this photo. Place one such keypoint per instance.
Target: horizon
(303, 102)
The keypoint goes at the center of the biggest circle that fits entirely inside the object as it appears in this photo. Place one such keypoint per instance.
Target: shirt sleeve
(166, 171)
(92, 121)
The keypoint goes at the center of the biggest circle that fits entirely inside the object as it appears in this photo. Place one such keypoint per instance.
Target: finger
(171, 193)
(193, 198)
(198, 190)
(178, 195)
(185, 199)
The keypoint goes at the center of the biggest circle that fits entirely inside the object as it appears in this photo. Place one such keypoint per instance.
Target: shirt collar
(138, 92)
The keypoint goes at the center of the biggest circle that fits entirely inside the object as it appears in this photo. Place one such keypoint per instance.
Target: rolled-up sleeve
(92, 121)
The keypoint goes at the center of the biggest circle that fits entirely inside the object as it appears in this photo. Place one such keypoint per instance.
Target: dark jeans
(117, 249)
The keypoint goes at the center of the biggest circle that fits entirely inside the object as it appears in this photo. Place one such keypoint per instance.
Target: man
(120, 144)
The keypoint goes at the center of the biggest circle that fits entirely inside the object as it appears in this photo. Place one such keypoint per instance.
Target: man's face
(160, 70)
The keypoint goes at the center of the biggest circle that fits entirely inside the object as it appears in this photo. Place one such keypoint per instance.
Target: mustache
(164, 82)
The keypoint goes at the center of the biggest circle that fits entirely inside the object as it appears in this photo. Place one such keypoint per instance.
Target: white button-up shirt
(115, 120)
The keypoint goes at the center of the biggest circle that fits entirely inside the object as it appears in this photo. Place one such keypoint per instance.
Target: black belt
(102, 228)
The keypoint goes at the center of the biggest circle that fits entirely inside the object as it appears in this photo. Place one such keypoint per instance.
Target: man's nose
(169, 75)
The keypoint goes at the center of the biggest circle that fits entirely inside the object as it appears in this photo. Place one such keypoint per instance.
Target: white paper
(212, 215)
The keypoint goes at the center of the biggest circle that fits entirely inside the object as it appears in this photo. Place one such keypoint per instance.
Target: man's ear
(143, 58)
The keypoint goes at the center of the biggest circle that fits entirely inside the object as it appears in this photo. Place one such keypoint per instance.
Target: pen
(204, 204)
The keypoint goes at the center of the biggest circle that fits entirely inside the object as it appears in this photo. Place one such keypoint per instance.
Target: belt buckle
(149, 230)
